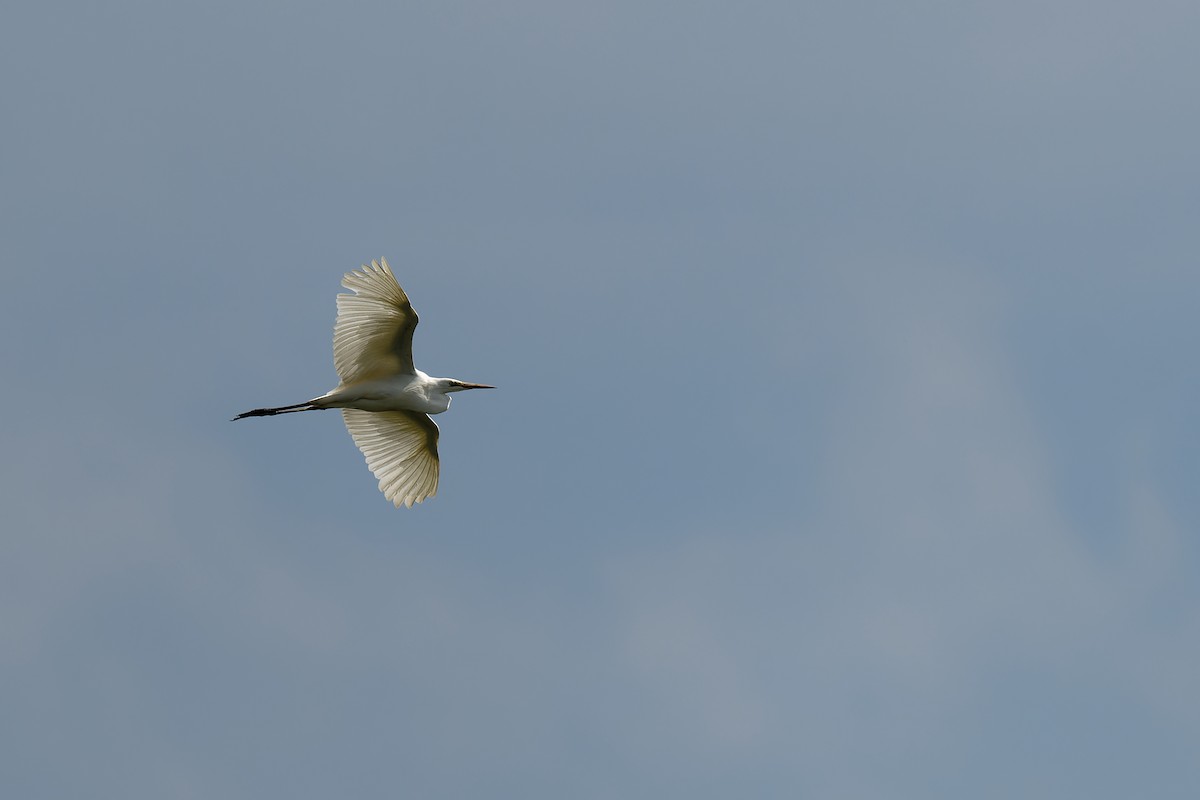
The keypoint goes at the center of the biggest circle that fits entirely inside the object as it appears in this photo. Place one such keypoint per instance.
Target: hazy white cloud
(936, 569)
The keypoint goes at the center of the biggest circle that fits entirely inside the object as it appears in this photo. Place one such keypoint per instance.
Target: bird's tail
(270, 412)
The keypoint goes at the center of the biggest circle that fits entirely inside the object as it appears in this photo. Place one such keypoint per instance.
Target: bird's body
(416, 392)
(385, 400)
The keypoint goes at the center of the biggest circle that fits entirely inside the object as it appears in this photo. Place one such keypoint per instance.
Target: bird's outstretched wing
(401, 449)
(373, 333)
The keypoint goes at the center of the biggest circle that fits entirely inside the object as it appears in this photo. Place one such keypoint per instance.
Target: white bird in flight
(385, 400)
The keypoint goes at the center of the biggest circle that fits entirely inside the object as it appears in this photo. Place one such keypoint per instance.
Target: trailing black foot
(270, 412)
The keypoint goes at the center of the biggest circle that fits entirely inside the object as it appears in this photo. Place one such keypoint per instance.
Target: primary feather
(373, 333)
(401, 451)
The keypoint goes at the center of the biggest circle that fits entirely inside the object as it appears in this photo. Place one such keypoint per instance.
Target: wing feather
(373, 334)
(401, 450)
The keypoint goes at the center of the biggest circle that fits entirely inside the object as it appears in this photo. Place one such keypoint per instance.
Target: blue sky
(845, 442)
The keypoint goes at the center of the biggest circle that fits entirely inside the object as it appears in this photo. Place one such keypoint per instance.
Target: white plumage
(385, 400)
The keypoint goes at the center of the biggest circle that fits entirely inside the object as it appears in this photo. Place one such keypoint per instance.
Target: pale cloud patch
(937, 565)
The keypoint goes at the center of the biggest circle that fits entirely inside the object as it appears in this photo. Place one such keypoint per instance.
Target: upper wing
(373, 333)
(401, 449)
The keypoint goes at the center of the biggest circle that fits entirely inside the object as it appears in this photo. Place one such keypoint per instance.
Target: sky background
(845, 443)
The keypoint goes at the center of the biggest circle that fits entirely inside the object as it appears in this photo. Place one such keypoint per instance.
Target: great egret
(385, 400)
